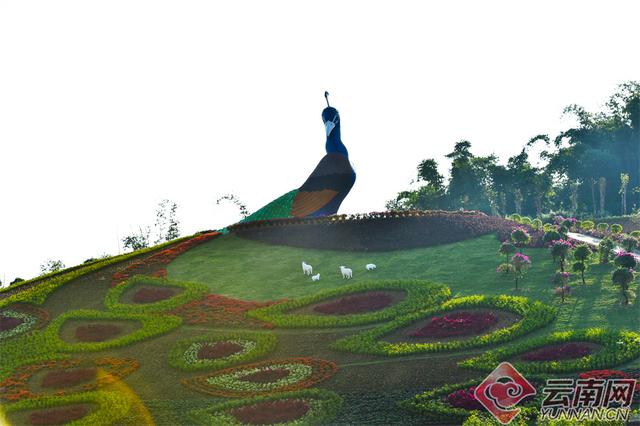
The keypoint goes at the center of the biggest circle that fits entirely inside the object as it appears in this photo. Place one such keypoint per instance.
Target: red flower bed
(457, 324)
(558, 352)
(152, 294)
(356, 304)
(464, 398)
(58, 416)
(152, 265)
(266, 376)
(16, 387)
(97, 332)
(271, 412)
(8, 323)
(66, 378)
(613, 374)
(221, 311)
(219, 350)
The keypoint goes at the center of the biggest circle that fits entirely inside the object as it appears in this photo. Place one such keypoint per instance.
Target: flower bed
(356, 304)
(308, 406)
(151, 295)
(457, 324)
(152, 265)
(58, 416)
(97, 332)
(151, 326)
(534, 315)
(187, 354)
(112, 407)
(377, 231)
(264, 377)
(615, 374)
(419, 295)
(187, 292)
(618, 347)
(21, 318)
(571, 350)
(221, 311)
(452, 404)
(61, 377)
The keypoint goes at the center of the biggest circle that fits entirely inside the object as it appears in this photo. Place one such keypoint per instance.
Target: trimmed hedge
(44, 285)
(322, 412)
(432, 405)
(151, 326)
(113, 406)
(191, 292)
(265, 342)
(534, 316)
(420, 294)
(618, 347)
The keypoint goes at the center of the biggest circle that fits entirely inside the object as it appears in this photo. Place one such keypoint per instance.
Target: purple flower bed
(559, 352)
(457, 324)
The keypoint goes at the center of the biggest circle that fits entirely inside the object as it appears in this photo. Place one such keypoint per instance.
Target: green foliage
(324, 406)
(630, 243)
(516, 218)
(190, 291)
(520, 237)
(581, 252)
(605, 250)
(420, 294)
(551, 235)
(625, 260)
(16, 281)
(536, 224)
(635, 234)
(113, 407)
(618, 347)
(602, 227)
(51, 265)
(264, 343)
(616, 228)
(151, 326)
(587, 225)
(623, 277)
(526, 220)
(534, 316)
(137, 240)
(278, 208)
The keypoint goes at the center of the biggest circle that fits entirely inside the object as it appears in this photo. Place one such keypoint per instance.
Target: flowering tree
(581, 254)
(520, 237)
(625, 260)
(559, 250)
(521, 264)
(560, 280)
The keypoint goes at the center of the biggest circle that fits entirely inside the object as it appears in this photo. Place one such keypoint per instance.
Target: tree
(520, 237)
(560, 279)
(581, 253)
(624, 183)
(244, 212)
(167, 225)
(507, 249)
(605, 249)
(51, 265)
(560, 250)
(521, 264)
(16, 281)
(137, 241)
(623, 277)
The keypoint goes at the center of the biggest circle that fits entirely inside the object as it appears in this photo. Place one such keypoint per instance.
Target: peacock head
(330, 116)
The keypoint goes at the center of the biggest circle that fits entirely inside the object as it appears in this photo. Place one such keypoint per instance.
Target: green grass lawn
(256, 271)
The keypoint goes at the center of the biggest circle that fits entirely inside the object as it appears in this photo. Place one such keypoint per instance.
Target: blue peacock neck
(334, 143)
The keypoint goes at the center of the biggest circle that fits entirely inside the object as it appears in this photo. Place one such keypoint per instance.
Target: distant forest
(590, 170)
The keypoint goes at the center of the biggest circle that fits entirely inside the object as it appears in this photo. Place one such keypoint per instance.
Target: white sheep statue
(315, 277)
(346, 272)
(306, 268)
(370, 266)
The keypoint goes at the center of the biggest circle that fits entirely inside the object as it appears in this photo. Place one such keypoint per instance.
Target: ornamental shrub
(547, 227)
(560, 280)
(625, 260)
(536, 224)
(605, 250)
(635, 234)
(520, 237)
(507, 249)
(629, 243)
(504, 268)
(623, 277)
(516, 218)
(602, 227)
(616, 228)
(587, 225)
(525, 220)
(560, 250)
(551, 235)
(581, 253)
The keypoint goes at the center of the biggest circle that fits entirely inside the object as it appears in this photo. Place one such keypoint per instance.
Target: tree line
(589, 170)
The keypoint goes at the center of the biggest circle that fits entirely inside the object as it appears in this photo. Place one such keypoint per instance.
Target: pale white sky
(108, 107)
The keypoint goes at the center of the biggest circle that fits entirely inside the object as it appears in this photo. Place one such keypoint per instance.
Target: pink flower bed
(559, 352)
(356, 304)
(464, 398)
(457, 324)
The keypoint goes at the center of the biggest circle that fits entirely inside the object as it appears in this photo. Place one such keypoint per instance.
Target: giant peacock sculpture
(327, 186)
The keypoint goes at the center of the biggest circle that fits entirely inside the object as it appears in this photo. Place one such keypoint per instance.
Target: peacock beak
(328, 127)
